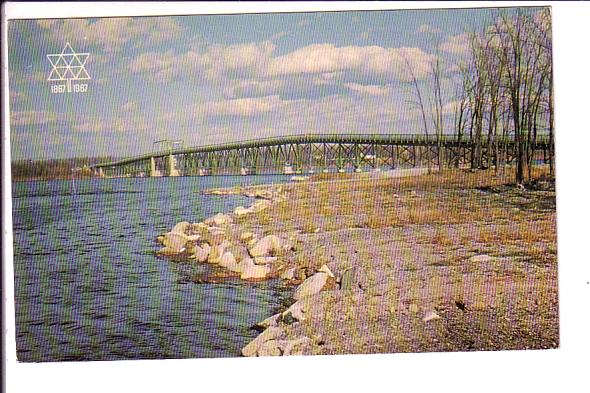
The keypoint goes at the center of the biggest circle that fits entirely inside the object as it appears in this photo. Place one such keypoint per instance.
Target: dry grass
(419, 235)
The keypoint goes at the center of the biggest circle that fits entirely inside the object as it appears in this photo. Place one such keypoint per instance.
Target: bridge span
(318, 153)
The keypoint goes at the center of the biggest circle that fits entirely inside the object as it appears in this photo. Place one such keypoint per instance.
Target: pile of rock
(213, 241)
(272, 341)
(271, 193)
(216, 240)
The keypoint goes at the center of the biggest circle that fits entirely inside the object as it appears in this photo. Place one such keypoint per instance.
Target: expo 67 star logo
(68, 66)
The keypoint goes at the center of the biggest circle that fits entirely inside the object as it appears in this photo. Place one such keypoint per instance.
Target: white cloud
(165, 66)
(456, 44)
(255, 61)
(373, 61)
(216, 61)
(254, 88)
(245, 107)
(125, 123)
(428, 29)
(369, 89)
(26, 118)
(111, 34)
(241, 59)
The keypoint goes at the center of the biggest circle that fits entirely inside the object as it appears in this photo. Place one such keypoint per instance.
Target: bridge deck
(377, 139)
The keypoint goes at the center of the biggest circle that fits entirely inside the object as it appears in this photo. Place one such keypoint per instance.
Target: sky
(223, 78)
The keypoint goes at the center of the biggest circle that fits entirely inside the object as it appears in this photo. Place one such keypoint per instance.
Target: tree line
(505, 91)
(54, 168)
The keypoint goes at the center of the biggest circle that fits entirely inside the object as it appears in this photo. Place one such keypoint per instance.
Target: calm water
(89, 287)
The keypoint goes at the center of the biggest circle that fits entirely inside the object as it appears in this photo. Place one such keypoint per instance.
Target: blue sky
(219, 78)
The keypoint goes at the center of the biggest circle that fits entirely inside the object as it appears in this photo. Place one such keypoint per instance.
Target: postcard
(283, 184)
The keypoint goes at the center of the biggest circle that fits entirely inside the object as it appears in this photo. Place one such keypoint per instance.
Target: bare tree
(418, 93)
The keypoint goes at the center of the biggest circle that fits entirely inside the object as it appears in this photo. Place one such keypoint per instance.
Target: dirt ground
(450, 261)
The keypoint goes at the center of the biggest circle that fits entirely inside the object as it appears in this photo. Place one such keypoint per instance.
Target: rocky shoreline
(371, 288)
(220, 240)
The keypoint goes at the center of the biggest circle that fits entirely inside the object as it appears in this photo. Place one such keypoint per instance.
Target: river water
(89, 287)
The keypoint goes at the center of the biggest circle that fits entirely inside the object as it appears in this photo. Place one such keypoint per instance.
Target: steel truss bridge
(317, 153)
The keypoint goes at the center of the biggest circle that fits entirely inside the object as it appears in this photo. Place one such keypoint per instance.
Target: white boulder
(216, 253)
(430, 316)
(270, 321)
(297, 310)
(242, 211)
(326, 269)
(219, 220)
(266, 246)
(253, 272)
(265, 260)
(175, 241)
(288, 274)
(227, 260)
(260, 205)
(201, 252)
(311, 285)
(252, 348)
(299, 346)
(246, 237)
(270, 348)
(181, 227)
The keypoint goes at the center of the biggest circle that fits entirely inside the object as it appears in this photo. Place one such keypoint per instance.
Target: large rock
(181, 227)
(265, 260)
(219, 220)
(252, 348)
(326, 269)
(267, 246)
(246, 236)
(263, 194)
(229, 262)
(166, 251)
(288, 274)
(253, 272)
(201, 253)
(215, 236)
(299, 346)
(260, 205)
(270, 321)
(216, 253)
(175, 241)
(311, 285)
(430, 316)
(297, 310)
(240, 252)
(242, 211)
(270, 348)
(351, 280)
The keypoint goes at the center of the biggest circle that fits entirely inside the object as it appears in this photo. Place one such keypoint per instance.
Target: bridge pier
(173, 172)
(153, 171)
